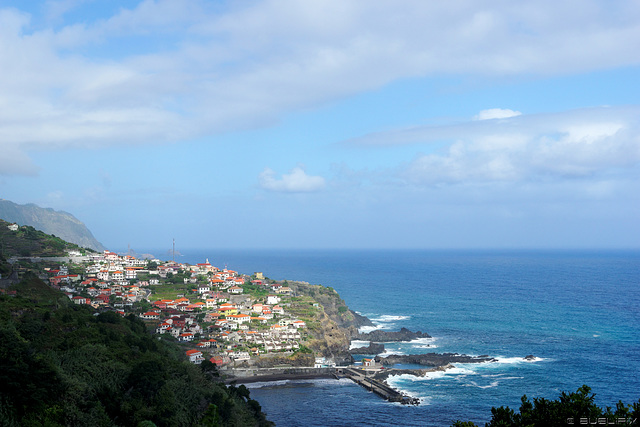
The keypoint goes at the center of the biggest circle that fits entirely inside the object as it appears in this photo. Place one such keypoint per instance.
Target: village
(247, 327)
(216, 314)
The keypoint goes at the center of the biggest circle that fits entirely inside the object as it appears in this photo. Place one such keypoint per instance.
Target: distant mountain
(58, 223)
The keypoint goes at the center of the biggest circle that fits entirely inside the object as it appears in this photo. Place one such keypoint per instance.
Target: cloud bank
(571, 144)
(169, 70)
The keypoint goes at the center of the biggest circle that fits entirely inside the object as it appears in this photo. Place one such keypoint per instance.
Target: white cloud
(170, 70)
(496, 113)
(297, 181)
(574, 143)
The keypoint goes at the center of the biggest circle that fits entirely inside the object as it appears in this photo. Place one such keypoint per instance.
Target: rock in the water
(432, 359)
(373, 348)
(403, 334)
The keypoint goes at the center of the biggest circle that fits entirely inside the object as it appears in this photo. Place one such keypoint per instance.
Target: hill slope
(61, 224)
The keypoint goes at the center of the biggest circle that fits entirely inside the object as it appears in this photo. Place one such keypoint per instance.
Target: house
(369, 363)
(150, 315)
(217, 360)
(13, 227)
(240, 318)
(186, 337)
(195, 356)
(235, 290)
(299, 324)
(272, 299)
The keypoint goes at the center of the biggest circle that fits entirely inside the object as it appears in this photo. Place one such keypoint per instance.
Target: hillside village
(217, 314)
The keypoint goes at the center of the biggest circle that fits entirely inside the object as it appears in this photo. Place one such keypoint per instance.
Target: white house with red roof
(195, 356)
(150, 315)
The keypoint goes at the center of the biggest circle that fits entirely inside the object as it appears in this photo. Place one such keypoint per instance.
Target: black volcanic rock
(432, 359)
(361, 320)
(403, 334)
(373, 348)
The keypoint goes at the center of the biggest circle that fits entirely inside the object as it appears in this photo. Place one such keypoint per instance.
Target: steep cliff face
(332, 325)
(60, 224)
(334, 306)
(330, 340)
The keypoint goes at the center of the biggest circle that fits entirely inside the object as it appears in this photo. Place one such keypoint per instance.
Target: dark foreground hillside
(61, 364)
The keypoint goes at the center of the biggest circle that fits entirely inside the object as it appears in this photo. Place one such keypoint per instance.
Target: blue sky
(326, 124)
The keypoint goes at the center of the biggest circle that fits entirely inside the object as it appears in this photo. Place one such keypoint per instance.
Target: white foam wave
(493, 384)
(381, 322)
(396, 382)
(514, 360)
(423, 341)
(388, 351)
(389, 318)
(455, 371)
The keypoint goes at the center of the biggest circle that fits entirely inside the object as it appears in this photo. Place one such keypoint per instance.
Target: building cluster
(214, 317)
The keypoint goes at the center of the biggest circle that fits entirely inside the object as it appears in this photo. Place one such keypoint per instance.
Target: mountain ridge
(59, 223)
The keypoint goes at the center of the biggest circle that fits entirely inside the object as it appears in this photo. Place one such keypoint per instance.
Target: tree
(570, 408)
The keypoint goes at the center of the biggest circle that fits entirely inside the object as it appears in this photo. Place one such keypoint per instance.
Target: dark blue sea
(578, 313)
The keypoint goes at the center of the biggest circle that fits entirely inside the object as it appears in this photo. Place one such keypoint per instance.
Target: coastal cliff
(332, 326)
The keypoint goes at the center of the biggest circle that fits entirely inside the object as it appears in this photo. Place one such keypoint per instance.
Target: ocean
(577, 312)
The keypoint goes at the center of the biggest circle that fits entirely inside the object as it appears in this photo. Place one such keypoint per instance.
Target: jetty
(360, 377)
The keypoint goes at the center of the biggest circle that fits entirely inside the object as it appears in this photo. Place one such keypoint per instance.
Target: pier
(358, 376)
(378, 387)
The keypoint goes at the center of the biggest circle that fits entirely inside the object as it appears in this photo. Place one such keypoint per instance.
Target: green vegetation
(255, 291)
(557, 413)
(60, 364)
(29, 242)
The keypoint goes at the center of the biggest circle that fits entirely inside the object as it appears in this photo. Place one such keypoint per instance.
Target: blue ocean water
(576, 312)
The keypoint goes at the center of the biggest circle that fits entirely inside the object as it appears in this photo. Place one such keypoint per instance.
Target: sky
(326, 124)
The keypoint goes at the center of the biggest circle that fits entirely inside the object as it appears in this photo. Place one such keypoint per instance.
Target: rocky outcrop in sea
(373, 348)
(432, 359)
(403, 334)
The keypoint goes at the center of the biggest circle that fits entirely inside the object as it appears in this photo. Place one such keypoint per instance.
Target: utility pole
(173, 256)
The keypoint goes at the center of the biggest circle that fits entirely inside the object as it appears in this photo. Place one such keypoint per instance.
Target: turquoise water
(577, 312)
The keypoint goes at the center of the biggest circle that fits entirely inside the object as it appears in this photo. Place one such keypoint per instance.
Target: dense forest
(65, 364)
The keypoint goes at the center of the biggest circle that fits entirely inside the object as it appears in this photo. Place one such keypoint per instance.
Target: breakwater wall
(250, 375)
(376, 386)
(358, 376)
